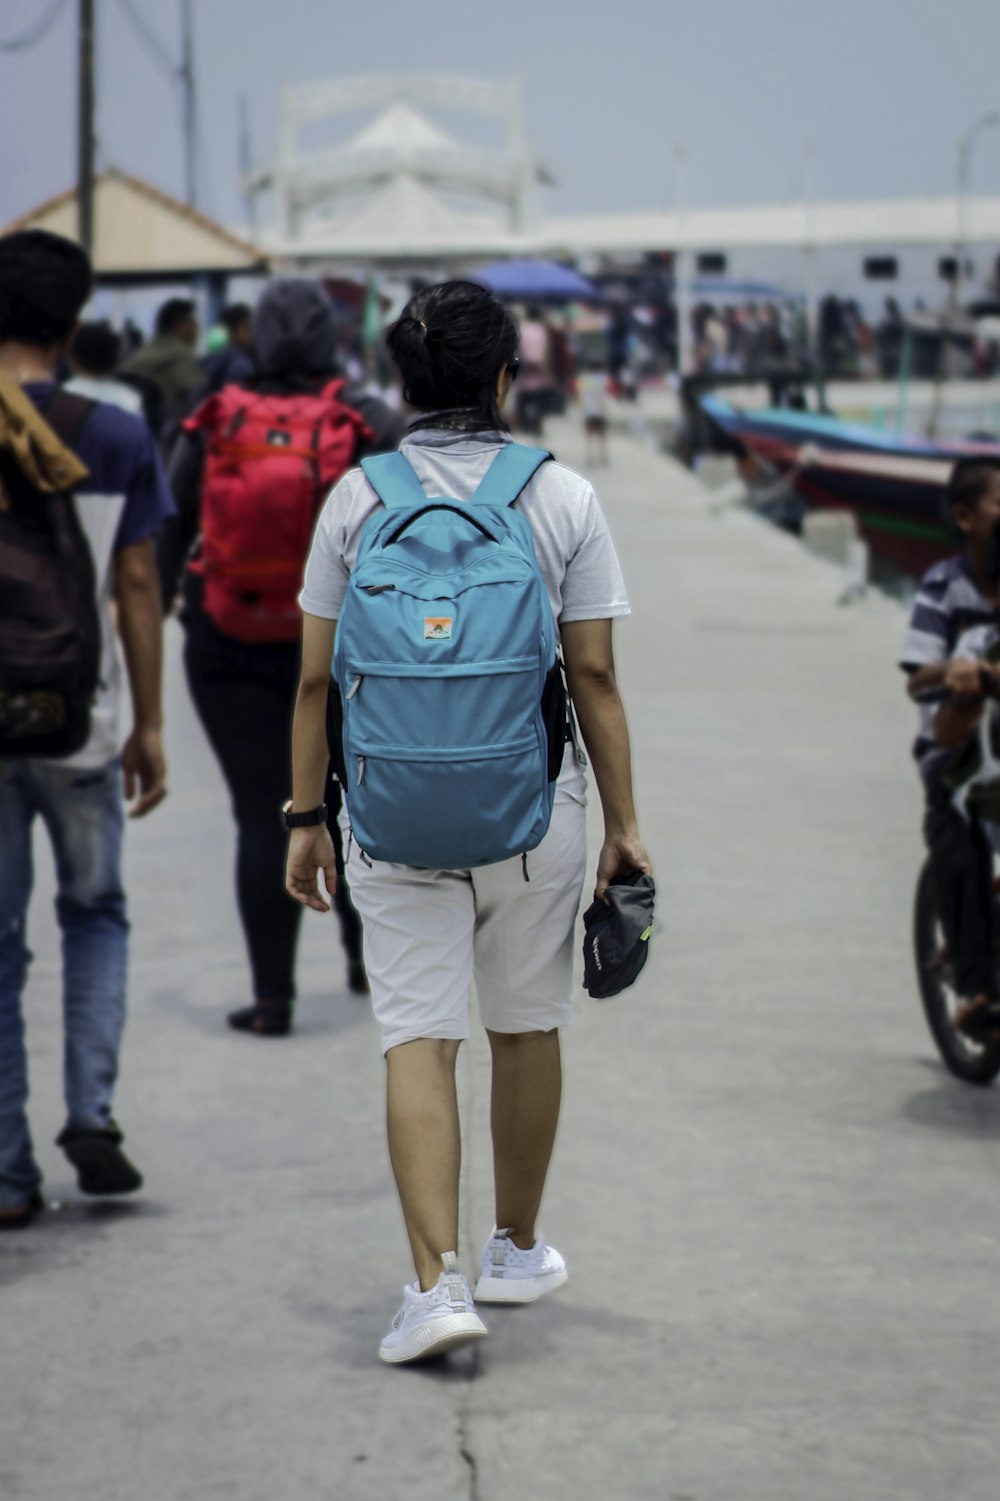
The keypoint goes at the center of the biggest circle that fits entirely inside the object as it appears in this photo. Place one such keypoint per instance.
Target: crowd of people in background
(847, 344)
(569, 354)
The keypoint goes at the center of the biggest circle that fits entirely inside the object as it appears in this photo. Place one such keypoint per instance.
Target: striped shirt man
(949, 602)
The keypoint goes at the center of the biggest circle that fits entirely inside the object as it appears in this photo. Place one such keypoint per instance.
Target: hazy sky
(882, 87)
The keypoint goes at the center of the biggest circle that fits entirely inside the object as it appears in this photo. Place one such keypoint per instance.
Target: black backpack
(50, 630)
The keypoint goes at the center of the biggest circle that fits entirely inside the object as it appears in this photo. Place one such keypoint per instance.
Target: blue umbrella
(545, 281)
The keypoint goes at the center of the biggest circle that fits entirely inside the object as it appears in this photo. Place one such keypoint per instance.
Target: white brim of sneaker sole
(436, 1337)
(518, 1289)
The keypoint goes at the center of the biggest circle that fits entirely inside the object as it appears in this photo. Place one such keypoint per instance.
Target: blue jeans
(83, 813)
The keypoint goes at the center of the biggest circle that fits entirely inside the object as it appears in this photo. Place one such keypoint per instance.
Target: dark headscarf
(294, 329)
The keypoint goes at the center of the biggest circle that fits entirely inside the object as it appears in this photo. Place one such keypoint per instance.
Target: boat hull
(895, 487)
(910, 535)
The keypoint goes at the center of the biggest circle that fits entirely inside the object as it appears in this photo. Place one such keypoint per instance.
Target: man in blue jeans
(44, 283)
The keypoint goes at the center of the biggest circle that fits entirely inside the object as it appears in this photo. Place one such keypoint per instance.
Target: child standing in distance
(954, 597)
(428, 932)
(592, 385)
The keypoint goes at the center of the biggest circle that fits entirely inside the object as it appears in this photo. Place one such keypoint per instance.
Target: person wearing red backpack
(250, 471)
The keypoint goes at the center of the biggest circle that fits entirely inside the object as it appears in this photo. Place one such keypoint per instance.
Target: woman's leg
(524, 978)
(425, 1147)
(418, 949)
(243, 695)
(527, 1088)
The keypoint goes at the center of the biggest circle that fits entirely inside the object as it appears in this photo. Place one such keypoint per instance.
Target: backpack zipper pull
(378, 588)
(352, 690)
(524, 866)
(361, 766)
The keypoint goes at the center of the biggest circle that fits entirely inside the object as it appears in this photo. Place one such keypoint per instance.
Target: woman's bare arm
(311, 850)
(590, 672)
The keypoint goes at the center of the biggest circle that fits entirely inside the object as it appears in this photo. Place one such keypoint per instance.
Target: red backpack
(270, 462)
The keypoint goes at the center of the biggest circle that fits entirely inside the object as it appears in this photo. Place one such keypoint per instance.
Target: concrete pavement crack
(464, 1414)
(470, 1460)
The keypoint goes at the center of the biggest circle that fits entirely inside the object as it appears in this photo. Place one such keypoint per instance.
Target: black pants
(961, 859)
(245, 697)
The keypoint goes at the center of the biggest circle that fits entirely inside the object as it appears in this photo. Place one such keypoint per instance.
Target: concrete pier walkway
(781, 1216)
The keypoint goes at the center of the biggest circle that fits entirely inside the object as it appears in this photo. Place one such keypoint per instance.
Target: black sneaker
(265, 1019)
(101, 1165)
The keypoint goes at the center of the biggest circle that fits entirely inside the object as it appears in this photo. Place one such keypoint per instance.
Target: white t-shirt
(105, 388)
(576, 556)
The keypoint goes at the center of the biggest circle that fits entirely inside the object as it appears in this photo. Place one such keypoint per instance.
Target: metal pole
(246, 164)
(517, 145)
(809, 194)
(961, 231)
(961, 197)
(905, 373)
(85, 129)
(190, 115)
(682, 290)
(953, 311)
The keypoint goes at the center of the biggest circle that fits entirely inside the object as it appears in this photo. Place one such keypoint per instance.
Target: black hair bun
(449, 342)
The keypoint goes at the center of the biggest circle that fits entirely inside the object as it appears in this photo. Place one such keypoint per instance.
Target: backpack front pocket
(439, 814)
(450, 712)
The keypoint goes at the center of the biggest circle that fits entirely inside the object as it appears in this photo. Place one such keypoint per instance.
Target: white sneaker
(431, 1323)
(510, 1275)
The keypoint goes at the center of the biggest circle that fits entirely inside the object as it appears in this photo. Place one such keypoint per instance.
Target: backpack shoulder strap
(333, 389)
(508, 474)
(67, 414)
(394, 480)
(37, 446)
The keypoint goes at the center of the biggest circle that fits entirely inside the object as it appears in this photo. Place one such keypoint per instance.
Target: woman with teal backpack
(420, 560)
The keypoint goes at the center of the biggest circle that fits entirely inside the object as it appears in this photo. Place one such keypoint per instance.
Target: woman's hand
(620, 853)
(309, 851)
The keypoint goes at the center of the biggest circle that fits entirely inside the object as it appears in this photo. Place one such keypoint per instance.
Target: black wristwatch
(304, 820)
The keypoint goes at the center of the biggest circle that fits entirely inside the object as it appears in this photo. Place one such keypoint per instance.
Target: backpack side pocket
(555, 718)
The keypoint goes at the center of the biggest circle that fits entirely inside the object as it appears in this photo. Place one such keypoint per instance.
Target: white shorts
(429, 933)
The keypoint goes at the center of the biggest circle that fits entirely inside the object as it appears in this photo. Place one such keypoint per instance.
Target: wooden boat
(894, 485)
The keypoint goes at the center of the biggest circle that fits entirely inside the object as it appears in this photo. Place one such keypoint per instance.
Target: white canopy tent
(347, 194)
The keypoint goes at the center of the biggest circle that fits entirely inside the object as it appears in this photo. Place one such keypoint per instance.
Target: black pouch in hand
(617, 929)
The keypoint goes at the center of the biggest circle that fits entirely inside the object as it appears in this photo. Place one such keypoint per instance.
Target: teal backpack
(449, 712)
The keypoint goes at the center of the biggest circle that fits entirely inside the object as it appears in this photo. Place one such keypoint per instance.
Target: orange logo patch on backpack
(438, 627)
